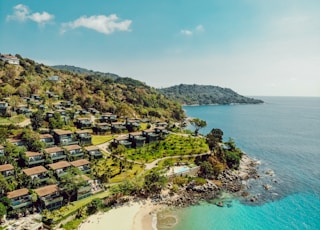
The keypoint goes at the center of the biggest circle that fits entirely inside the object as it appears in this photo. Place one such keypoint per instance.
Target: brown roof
(45, 136)
(9, 56)
(92, 147)
(35, 170)
(32, 154)
(1, 147)
(83, 131)
(79, 162)
(136, 134)
(102, 124)
(53, 150)
(84, 177)
(17, 193)
(72, 147)
(46, 190)
(83, 118)
(6, 167)
(120, 138)
(59, 165)
(13, 140)
(62, 132)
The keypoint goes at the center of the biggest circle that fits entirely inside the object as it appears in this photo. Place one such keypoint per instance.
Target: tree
(71, 182)
(36, 120)
(206, 169)
(3, 210)
(154, 182)
(214, 138)
(198, 124)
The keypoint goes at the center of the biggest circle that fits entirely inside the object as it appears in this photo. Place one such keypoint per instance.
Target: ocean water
(284, 134)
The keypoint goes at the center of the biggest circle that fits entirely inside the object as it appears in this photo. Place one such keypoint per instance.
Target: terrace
(102, 128)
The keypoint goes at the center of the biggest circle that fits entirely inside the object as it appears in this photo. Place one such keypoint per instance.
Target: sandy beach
(134, 215)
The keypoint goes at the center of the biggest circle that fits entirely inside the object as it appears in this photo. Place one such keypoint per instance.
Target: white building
(10, 59)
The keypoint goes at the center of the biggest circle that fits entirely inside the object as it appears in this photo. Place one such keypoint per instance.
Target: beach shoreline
(139, 214)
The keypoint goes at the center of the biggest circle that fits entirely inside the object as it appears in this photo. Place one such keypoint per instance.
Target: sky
(255, 47)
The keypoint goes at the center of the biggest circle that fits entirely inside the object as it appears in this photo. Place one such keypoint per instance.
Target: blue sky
(255, 47)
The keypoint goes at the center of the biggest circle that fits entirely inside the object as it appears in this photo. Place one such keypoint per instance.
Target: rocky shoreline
(230, 181)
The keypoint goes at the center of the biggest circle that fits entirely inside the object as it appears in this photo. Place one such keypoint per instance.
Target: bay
(284, 134)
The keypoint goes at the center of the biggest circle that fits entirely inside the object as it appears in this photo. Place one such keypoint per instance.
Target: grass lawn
(128, 174)
(97, 139)
(173, 145)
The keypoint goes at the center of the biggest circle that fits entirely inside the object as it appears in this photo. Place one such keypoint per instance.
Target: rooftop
(6, 167)
(32, 154)
(47, 190)
(79, 162)
(62, 132)
(53, 149)
(17, 193)
(91, 148)
(59, 165)
(35, 170)
(72, 147)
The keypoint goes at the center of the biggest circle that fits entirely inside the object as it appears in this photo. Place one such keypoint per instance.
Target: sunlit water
(284, 133)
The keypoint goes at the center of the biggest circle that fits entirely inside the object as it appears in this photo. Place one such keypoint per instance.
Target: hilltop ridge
(205, 95)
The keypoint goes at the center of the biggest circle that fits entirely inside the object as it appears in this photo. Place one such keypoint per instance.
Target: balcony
(21, 203)
(57, 157)
(35, 161)
(52, 200)
(85, 169)
(95, 153)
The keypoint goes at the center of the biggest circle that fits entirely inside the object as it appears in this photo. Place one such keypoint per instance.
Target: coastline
(141, 214)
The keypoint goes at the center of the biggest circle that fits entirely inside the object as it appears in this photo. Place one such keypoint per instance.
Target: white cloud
(100, 23)
(186, 32)
(22, 13)
(197, 29)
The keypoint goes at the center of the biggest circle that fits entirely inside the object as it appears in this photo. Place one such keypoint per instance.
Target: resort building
(49, 197)
(55, 153)
(34, 158)
(83, 165)
(47, 139)
(85, 190)
(137, 139)
(7, 170)
(74, 152)
(60, 168)
(84, 137)
(93, 151)
(122, 141)
(39, 173)
(150, 135)
(10, 59)
(19, 198)
(108, 117)
(101, 128)
(84, 122)
(64, 137)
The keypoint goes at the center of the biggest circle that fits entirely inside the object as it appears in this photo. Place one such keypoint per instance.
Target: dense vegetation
(122, 96)
(205, 94)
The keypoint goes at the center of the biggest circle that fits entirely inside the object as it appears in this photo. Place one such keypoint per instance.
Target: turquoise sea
(284, 134)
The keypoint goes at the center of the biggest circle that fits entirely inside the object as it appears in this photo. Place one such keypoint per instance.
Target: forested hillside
(123, 96)
(206, 94)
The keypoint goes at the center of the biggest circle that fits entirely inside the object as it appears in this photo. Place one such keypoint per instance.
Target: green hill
(205, 95)
(104, 92)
